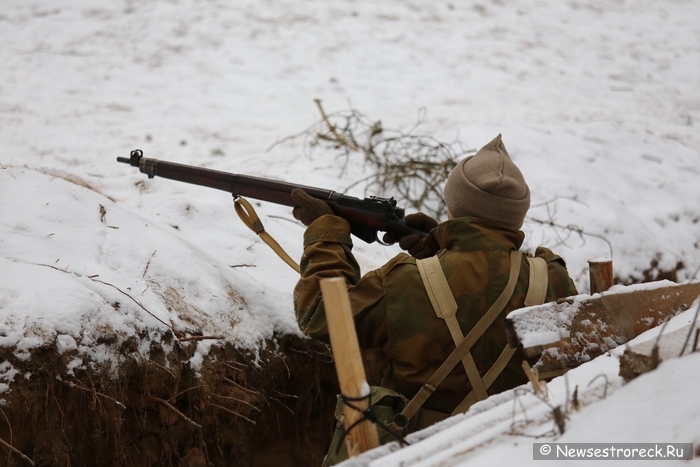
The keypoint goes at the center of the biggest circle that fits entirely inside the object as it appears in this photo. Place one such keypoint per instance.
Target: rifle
(366, 216)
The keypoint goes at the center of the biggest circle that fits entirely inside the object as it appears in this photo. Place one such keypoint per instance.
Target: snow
(540, 325)
(597, 103)
(77, 268)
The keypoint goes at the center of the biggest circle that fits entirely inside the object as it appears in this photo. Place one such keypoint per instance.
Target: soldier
(397, 307)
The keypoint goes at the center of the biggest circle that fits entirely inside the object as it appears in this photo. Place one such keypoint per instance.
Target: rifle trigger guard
(382, 242)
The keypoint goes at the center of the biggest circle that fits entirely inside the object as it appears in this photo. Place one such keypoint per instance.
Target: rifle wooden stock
(366, 216)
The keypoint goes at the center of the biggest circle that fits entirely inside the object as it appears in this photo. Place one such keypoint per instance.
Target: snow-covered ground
(598, 103)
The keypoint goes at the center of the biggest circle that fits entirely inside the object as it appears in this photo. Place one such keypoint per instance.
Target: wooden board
(578, 329)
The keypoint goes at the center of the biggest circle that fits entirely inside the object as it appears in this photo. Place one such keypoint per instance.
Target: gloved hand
(415, 245)
(309, 208)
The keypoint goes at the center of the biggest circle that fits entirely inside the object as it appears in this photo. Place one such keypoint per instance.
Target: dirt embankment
(158, 412)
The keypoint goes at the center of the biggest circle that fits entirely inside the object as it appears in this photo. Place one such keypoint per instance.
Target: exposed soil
(158, 412)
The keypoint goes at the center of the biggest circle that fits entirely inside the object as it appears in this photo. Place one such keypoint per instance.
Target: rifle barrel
(366, 216)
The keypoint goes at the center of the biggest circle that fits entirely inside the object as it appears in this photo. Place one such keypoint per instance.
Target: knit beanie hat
(490, 186)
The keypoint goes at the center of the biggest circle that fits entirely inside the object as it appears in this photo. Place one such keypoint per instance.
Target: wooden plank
(578, 329)
(348, 364)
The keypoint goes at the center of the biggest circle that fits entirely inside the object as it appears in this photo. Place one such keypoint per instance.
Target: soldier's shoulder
(547, 254)
(402, 259)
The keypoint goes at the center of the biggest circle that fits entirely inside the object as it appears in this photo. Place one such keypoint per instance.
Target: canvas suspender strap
(539, 279)
(489, 378)
(536, 295)
(474, 334)
(445, 307)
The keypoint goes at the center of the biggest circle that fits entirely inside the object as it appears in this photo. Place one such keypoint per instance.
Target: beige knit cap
(490, 186)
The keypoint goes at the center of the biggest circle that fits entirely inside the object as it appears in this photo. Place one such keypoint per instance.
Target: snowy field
(598, 103)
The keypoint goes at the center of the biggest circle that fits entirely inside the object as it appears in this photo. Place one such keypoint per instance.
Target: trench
(274, 407)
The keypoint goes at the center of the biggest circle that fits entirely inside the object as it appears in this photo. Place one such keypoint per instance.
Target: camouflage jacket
(392, 310)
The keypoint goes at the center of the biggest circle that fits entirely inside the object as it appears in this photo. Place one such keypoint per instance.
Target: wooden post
(601, 274)
(348, 364)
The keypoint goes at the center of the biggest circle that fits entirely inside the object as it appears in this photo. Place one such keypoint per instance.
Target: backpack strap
(536, 295)
(445, 307)
(466, 344)
(489, 378)
(539, 280)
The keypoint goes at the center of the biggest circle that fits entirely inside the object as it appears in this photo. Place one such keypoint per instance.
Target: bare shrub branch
(408, 166)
